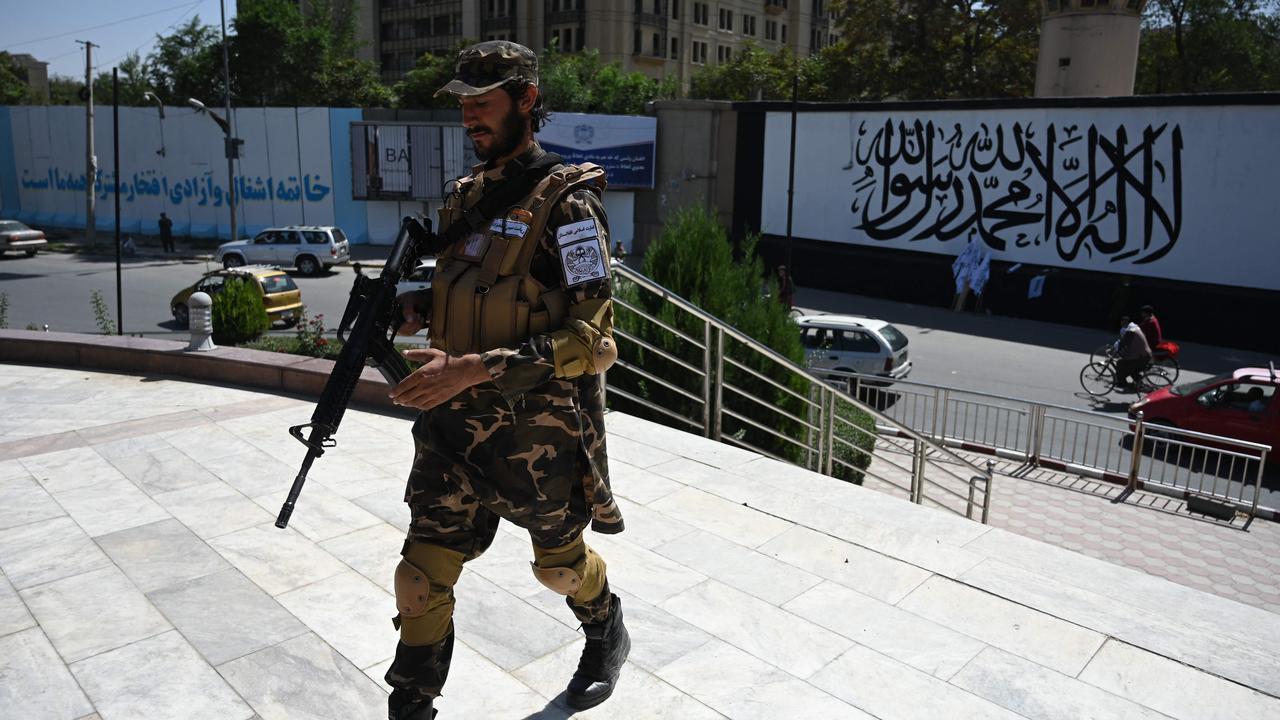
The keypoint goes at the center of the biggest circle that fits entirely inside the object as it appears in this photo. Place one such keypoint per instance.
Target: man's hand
(411, 304)
(440, 378)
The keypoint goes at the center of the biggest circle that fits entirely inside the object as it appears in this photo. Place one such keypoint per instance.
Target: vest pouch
(447, 274)
(539, 322)
(503, 319)
(462, 314)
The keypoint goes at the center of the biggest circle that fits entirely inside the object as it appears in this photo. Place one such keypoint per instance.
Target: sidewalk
(185, 248)
(141, 577)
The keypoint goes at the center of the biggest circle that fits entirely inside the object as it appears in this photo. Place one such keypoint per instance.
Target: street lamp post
(232, 150)
(151, 97)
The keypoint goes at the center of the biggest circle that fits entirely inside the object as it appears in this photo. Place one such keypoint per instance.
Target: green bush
(694, 258)
(238, 312)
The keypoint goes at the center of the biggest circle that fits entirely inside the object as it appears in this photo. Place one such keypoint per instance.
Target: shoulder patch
(582, 253)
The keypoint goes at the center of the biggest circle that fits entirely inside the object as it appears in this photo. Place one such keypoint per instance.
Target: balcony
(775, 7)
(651, 20)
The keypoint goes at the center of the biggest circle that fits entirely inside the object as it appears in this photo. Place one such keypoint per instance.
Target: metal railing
(685, 368)
(1134, 452)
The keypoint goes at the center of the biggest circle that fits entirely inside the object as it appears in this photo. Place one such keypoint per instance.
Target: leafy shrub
(763, 403)
(238, 312)
(102, 314)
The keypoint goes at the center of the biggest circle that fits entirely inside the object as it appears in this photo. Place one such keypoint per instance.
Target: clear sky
(25, 21)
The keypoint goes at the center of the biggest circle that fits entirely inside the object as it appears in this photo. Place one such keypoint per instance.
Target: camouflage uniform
(527, 446)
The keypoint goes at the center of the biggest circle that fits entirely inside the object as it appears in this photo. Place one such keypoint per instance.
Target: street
(998, 355)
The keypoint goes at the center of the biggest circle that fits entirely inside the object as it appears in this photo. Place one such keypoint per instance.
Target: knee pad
(424, 583)
(574, 570)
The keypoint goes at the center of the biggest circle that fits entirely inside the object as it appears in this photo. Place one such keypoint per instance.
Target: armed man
(521, 322)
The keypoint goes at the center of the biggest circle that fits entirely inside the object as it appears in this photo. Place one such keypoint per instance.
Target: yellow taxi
(280, 295)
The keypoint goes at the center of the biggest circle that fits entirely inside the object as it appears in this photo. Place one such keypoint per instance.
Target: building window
(675, 48)
(749, 25)
(657, 45)
(726, 19)
(724, 54)
(388, 31)
(770, 30)
(701, 13)
(635, 42)
(675, 9)
(698, 52)
(567, 43)
(784, 32)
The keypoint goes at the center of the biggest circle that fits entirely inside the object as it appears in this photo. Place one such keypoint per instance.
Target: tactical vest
(483, 296)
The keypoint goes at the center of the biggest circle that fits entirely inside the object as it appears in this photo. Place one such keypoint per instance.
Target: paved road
(55, 289)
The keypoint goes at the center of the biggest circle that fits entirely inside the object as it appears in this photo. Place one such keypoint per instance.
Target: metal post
(91, 159)
(232, 149)
(986, 493)
(791, 171)
(917, 471)
(1136, 453)
(937, 404)
(1034, 429)
(821, 424)
(941, 437)
(706, 378)
(1257, 486)
(115, 144)
(719, 410)
(831, 435)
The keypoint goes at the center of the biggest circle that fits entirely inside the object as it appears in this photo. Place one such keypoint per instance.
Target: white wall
(1192, 199)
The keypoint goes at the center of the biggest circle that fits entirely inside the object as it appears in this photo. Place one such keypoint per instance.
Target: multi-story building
(660, 38)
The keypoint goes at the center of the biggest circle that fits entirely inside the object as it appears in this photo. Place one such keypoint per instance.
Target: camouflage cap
(489, 65)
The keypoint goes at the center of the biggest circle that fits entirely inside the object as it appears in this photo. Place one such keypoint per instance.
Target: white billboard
(1183, 193)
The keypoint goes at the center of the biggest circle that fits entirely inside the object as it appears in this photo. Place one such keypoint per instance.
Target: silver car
(849, 343)
(20, 238)
(312, 249)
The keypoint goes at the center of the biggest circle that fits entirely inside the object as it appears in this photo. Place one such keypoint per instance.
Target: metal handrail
(1083, 441)
(818, 440)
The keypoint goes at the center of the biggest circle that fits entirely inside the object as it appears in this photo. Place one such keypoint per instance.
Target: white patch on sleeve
(583, 261)
(514, 227)
(577, 232)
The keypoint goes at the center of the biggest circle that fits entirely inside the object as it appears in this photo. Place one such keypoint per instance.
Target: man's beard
(505, 140)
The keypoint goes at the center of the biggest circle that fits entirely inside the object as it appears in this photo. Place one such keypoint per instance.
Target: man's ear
(529, 98)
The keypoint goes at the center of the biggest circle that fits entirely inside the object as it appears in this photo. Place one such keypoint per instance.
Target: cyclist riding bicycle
(1133, 354)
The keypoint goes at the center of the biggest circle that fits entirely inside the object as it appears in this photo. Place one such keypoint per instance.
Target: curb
(259, 369)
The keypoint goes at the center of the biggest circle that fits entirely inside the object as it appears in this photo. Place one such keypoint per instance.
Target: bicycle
(1164, 355)
(1098, 378)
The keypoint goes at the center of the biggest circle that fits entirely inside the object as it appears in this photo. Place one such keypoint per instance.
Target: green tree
(754, 74)
(926, 50)
(282, 56)
(64, 90)
(417, 88)
(579, 82)
(14, 89)
(186, 64)
(135, 81)
(1193, 46)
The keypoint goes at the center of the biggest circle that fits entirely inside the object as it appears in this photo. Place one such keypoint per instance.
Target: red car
(1240, 405)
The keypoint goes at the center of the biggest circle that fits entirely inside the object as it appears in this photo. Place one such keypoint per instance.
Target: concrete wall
(697, 142)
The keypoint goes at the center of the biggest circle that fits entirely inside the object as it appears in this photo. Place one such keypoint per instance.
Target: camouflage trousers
(478, 461)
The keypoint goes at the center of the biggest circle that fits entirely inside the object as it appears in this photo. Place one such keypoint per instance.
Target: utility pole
(91, 160)
(233, 146)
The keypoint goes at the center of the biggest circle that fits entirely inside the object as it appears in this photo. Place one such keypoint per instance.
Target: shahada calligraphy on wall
(1170, 192)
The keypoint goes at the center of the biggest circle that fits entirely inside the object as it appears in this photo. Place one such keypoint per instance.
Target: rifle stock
(372, 316)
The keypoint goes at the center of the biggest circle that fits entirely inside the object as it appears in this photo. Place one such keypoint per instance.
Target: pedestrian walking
(166, 233)
(512, 412)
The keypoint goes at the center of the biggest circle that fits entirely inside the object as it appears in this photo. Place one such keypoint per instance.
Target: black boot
(607, 646)
(400, 707)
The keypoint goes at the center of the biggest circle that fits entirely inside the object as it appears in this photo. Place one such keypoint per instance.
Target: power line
(105, 25)
(172, 25)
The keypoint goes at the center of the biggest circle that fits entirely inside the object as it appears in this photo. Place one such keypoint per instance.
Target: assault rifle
(372, 317)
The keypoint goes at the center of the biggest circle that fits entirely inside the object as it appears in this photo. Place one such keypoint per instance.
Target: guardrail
(688, 369)
(1134, 453)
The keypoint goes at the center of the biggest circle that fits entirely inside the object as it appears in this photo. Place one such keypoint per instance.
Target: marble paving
(141, 577)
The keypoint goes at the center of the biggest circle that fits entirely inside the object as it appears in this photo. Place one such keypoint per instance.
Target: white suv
(849, 343)
(310, 248)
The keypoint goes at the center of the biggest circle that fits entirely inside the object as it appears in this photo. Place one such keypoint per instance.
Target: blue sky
(28, 20)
